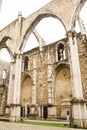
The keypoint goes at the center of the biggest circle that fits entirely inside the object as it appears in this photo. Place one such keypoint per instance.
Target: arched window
(61, 52)
(26, 63)
(4, 76)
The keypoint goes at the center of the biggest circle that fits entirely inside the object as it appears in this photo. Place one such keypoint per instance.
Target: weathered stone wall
(63, 85)
(41, 62)
(26, 91)
(82, 52)
(3, 99)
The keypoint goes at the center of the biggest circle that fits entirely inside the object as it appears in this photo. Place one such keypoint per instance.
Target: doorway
(22, 111)
(45, 112)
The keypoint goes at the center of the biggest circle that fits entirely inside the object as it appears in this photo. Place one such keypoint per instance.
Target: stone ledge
(78, 101)
(15, 104)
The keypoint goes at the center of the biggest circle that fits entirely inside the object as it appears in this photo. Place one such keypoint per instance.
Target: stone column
(34, 82)
(10, 88)
(25, 110)
(79, 112)
(56, 51)
(23, 65)
(42, 112)
(49, 79)
(64, 54)
(15, 106)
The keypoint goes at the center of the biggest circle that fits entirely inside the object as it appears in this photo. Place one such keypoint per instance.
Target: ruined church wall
(41, 69)
(42, 61)
(82, 52)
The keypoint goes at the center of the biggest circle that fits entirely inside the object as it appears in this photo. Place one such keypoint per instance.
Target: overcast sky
(49, 28)
(10, 9)
(9, 13)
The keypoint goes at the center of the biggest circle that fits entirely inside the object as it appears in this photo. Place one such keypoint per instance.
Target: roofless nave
(49, 81)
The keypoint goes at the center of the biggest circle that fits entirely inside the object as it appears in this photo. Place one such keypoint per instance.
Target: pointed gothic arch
(76, 13)
(63, 90)
(26, 89)
(33, 25)
(8, 46)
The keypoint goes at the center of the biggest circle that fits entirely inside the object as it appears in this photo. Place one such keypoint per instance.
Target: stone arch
(62, 83)
(39, 38)
(62, 89)
(34, 23)
(9, 48)
(76, 12)
(26, 89)
(24, 74)
(57, 66)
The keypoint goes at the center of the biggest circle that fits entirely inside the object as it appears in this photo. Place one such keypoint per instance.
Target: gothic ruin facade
(49, 81)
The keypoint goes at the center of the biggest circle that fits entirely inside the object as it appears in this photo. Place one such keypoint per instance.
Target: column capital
(12, 62)
(71, 33)
(75, 100)
(18, 55)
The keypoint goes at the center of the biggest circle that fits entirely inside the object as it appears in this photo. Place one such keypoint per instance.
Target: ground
(15, 126)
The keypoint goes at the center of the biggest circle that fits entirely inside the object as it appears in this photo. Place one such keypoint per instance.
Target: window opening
(26, 64)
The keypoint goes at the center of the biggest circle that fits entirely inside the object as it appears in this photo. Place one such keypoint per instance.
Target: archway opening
(81, 24)
(26, 95)
(4, 79)
(4, 55)
(63, 91)
(50, 30)
(31, 43)
(4, 66)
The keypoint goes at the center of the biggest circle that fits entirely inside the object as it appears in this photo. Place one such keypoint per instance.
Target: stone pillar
(15, 106)
(10, 88)
(39, 112)
(42, 112)
(64, 54)
(26, 110)
(34, 82)
(79, 112)
(49, 79)
(56, 51)
(23, 65)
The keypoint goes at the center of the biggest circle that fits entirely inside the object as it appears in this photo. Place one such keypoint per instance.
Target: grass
(45, 124)
(40, 123)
